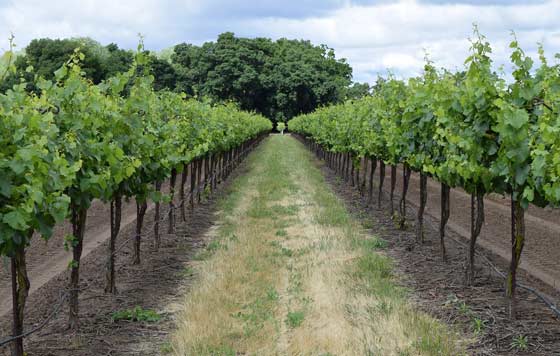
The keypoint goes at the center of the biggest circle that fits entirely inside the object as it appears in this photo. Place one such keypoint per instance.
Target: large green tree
(42, 57)
(279, 79)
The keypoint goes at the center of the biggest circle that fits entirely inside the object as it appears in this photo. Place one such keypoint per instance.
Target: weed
(285, 210)
(464, 308)
(520, 343)
(136, 314)
(188, 271)
(212, 247)
(272, 294)
(287, 252)
(371, 244)
(166, 348)
(294, 319)
(478, 325)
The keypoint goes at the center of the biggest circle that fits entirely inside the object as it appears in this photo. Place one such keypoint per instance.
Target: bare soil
(542, 246)
(46, 259)
(438, 287)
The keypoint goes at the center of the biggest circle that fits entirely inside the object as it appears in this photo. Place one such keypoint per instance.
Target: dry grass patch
(292, 273)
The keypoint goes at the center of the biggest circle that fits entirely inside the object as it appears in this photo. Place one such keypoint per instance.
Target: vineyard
(76, 142)
(282, 250)
(468, 129)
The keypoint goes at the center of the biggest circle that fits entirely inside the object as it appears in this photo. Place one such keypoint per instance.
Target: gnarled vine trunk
(381, 180)
(198, 178)
(79, 216)
(206, 172)
(352, 168)
(182, 196)
(115, 220)
(192, 167)
(421, 208)
(20, 291)
(392, 191)
(371, 176)
(444, 218)
(358, 170)
(345, 167)
(157, 217)
(477, 220)
(141, 208)
(402, 203)
(517, 243)
(171, 217)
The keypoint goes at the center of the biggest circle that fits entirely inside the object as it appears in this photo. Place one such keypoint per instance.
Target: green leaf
(5, 187)
(16, 220)
(529, 194)
(518, 118)
(521, 174)
(45, 228)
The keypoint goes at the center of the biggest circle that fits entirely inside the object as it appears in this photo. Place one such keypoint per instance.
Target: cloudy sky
(374, 35)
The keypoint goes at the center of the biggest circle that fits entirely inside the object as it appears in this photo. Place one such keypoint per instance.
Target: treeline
(74, 141)
(278, 79)
(42, 57)
(470, 129)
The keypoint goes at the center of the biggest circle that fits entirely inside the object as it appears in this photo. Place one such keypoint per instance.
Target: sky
(375, 36)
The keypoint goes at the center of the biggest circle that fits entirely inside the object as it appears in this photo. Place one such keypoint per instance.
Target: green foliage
(76, 141)
(478, 325)
(136, 314)
(358, 91)
(43, 57)
(278, 79)
(34, 173)
(520, 343)
(295, 318)
(469, 129)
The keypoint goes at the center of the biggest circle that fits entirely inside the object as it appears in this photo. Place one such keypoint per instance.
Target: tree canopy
(279, 79)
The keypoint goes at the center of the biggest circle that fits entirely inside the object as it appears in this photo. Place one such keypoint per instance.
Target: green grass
(295, 318)
(282, 172)
(210, 249)
(136, 314)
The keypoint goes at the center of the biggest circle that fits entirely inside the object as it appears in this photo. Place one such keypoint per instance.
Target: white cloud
(374, 36)
(394, 35)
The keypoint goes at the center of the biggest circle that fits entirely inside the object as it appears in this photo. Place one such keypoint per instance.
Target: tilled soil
(154, 284)
(46, 259)
(437, 287)
(542, 246)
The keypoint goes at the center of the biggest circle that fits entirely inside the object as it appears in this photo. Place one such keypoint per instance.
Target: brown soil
(152, 285)
(46, 259)
(542, 246)
(438, 288)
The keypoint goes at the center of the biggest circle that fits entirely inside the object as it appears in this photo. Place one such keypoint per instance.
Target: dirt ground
(46, 259)
(542, 246)
(438, 287)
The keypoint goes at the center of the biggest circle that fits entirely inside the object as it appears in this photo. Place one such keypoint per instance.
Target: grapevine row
(73, 142)
(470, 129)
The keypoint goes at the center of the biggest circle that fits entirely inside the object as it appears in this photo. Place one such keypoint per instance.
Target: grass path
(288, 271)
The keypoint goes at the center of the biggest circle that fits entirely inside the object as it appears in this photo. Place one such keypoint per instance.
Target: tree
(165, 76)
(42, 57)
(46, 56)
(278, 79)
(116, 60)
(358, 90)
